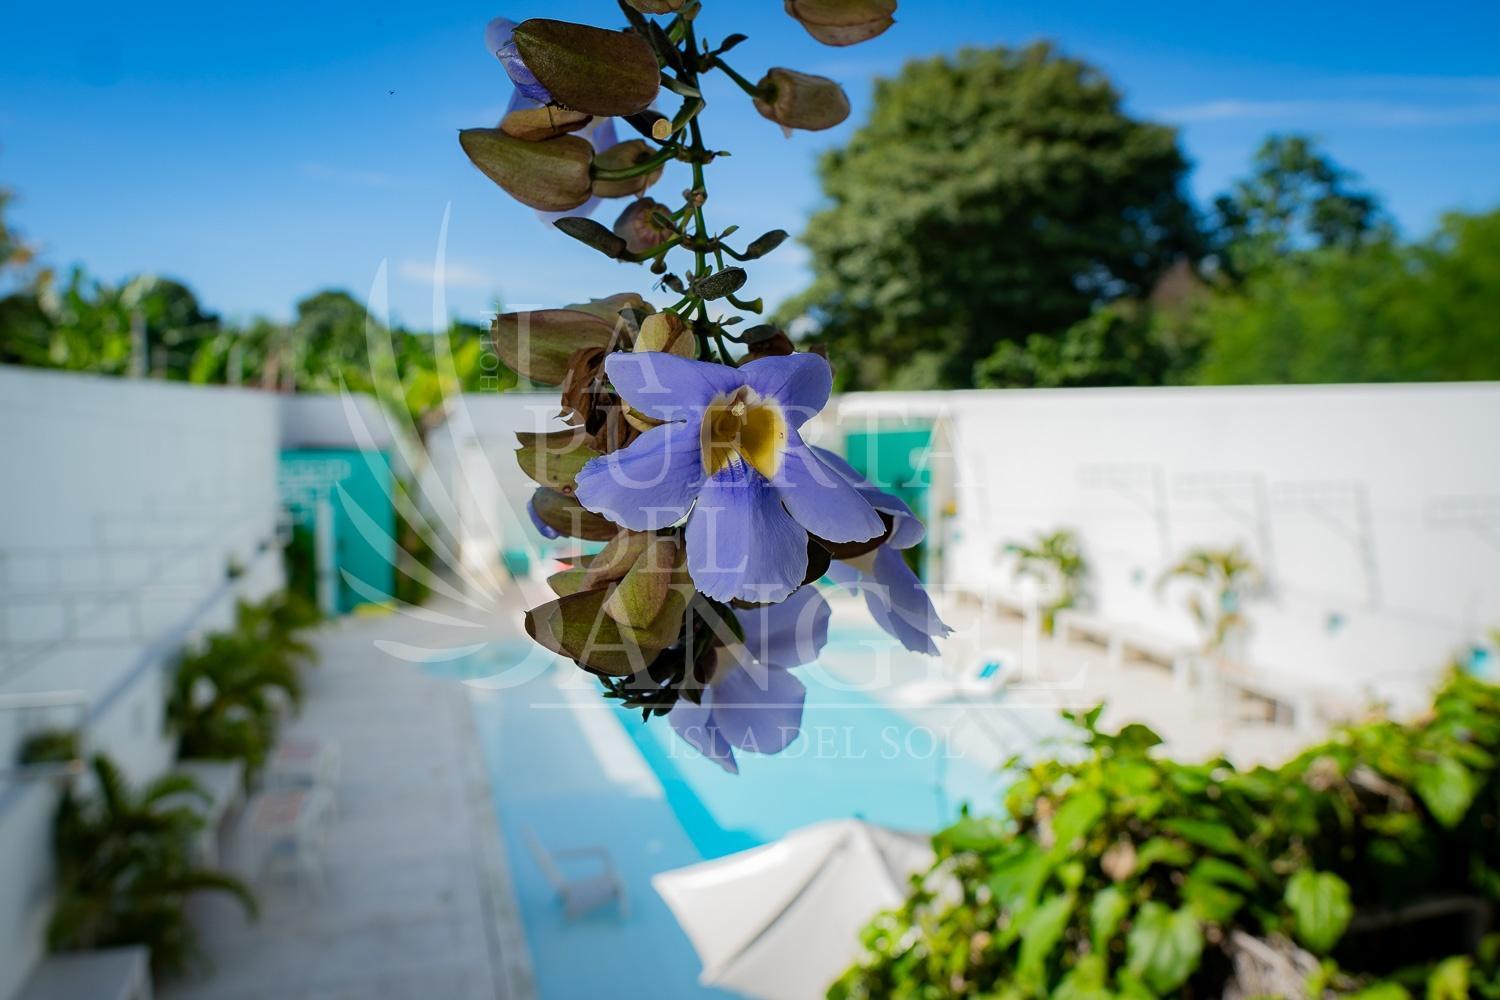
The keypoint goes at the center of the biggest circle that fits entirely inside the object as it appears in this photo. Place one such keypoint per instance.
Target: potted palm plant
(1056, 561)
(125, 867)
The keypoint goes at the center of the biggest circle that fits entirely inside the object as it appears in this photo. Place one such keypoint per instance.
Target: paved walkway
(417, 901)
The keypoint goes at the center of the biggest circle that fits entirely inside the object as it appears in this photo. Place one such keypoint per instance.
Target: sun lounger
(580, 895)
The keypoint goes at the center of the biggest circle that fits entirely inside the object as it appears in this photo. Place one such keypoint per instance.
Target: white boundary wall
(124, 505)
(1373, 510)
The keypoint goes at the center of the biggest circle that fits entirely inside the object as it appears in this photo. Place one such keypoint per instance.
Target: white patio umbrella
(781, 922)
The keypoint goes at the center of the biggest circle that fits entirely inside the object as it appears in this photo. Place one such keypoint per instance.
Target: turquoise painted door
(895, 459)
(355, 488)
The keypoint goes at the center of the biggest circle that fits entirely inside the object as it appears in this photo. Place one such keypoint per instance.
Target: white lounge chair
(581, 895)
(984, 677)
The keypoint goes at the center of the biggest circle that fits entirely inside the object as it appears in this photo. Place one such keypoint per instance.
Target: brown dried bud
(638, 227)
(589, 69)
(801, 100)
(657, 6)
(545, 122)
(550, 176)
(843, 22)
(668, 332)
(620, 156)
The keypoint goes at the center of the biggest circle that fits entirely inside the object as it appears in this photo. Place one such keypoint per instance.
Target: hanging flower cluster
(683, 457)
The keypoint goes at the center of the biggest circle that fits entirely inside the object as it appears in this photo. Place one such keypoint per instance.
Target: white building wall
(1374, 511)
(124, 505)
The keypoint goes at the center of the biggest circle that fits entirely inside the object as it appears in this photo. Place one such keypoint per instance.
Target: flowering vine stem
(687, 462)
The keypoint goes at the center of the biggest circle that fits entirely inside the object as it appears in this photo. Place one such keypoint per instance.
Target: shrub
(1369, 861)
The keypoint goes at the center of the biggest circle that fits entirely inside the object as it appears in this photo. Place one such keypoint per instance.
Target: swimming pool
(569, 769)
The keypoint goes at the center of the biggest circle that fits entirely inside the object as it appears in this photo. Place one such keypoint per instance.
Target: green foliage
(49, 746)
(1222, 579)
(225, 697)
(1295, 199)
(1385, 312)
(1117, 344)
(1057, 561)
(125, 867)
(991, 195)
(1120, 873)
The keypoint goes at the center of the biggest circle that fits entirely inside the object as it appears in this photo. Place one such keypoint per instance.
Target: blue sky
(260, 152)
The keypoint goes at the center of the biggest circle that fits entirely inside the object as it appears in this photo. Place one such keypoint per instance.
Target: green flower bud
(622, 156)
(843, 22)
(589, 69)
(801, 100)
(546, 122)
(550, 176)
(637, 227)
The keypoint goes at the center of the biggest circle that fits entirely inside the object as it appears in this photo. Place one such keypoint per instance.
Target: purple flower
(896, 598)
(730, 459)
(752, 702)
(498, 39)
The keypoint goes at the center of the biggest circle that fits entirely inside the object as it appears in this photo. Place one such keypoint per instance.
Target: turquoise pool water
(568, 769)
(855, 759)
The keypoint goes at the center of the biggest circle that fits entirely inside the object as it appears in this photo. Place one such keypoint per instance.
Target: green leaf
(1225, 872)
(1216, 837)
(1320, 907)
(1075, 818)
(589, 69)
(1450, 980)
(1085, 981)
(1447, 788)
(1380, 991)
(1209, 901)
(1017, 880)
(974, 833)
(1106, 913)
(1162, 850)
(1164, 947)
(1044, 929)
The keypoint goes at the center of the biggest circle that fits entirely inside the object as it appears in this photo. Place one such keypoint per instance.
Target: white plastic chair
(580, 895)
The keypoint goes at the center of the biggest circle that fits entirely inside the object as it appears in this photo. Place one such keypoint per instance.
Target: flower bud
(618, 157)
(589, 69)
(800, 100)
(668, 332)
(843, 22)
(639, 229)
(545, 122)
(551, 176)
(657, 6)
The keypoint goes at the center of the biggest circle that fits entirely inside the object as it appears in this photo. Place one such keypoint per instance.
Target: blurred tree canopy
(1000, 222)
(1296, 198)
(1379, 312)
(992, 195)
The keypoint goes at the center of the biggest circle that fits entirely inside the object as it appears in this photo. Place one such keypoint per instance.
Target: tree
(1115, 345)
(992, 195)
(1296, 199)
(1384, 312)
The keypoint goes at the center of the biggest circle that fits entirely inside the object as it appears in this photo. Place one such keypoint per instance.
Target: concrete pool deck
(427, 896)
(416, 902)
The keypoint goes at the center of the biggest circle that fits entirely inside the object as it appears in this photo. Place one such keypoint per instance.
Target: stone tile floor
(416, 900)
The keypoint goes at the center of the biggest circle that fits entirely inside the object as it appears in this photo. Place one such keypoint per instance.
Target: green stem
(743, 83)
(641, 169)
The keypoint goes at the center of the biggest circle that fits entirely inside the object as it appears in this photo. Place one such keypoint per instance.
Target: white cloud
(1343, 110)
(364, 178)
(453, 275)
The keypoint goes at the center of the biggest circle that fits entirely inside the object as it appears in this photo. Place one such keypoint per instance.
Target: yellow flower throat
(743, 426)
